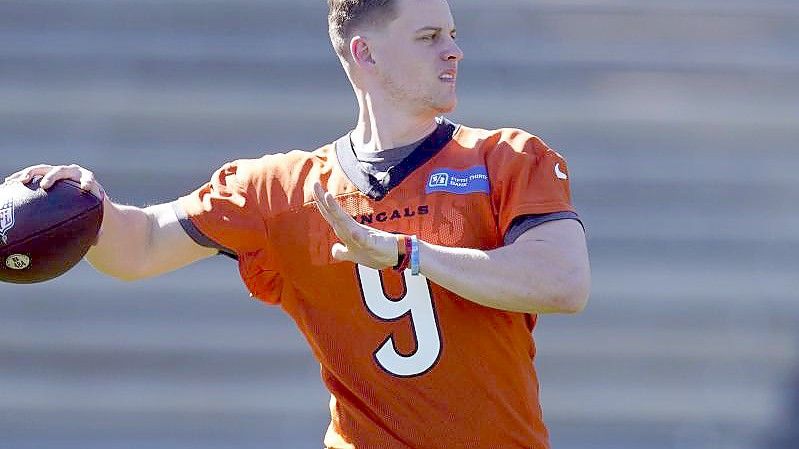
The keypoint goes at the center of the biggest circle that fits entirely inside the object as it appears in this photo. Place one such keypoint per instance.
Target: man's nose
(453, 52)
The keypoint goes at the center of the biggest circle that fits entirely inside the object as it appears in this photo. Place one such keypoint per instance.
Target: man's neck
(381, 127)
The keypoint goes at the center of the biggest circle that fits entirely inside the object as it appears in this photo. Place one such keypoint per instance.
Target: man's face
(416, 57)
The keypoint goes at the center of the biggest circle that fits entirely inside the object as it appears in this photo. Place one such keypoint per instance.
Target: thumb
(341, 252)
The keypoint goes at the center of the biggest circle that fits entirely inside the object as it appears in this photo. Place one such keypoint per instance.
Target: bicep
(565, 237)
(558, 248)
(557, 253)
(169, 246)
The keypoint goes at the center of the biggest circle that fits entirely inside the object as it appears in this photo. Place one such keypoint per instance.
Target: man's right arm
(134, 243)
(137, 243)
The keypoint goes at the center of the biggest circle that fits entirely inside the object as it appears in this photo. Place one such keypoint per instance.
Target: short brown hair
(346, 15)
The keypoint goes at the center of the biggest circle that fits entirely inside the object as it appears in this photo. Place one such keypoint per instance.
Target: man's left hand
(359, 243)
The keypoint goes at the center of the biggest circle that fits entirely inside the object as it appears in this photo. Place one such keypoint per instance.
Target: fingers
(319, 198)
(86, 179)
(343, 225)
(72, 172)
(359, 243)
(25, 175)
(50, 174)
(329, 203)
(345, 228)
(324, 202)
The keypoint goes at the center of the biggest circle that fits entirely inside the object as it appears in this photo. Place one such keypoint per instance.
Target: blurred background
(679, 119)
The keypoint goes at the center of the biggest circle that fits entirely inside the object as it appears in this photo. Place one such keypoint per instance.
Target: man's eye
(429, 37)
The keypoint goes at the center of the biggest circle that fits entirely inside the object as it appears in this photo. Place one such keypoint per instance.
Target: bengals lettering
(396, 214)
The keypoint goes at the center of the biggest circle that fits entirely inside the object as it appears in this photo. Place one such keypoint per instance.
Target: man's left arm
(545, 270)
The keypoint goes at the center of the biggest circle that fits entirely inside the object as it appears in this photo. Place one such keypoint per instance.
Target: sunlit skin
(417, 58)
(404, 74)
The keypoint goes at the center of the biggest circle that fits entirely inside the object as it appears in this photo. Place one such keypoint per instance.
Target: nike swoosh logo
(559, 173)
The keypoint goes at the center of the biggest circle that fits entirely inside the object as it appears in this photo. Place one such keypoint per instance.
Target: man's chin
(446, 108)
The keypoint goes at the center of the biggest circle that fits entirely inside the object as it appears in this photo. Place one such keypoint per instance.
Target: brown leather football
(45, 233)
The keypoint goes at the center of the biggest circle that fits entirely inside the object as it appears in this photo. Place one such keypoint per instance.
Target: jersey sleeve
(225, 212)
(527, 178)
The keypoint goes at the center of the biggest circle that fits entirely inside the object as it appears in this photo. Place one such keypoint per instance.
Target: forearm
(545, 270)
(548, 282)
(122, 244)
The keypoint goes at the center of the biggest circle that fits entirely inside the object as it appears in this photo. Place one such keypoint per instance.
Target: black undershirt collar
(377, 189)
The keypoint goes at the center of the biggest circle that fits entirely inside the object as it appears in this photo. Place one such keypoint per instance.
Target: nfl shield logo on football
(6, 220)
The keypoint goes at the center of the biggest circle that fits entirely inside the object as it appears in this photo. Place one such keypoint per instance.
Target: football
(45, 233)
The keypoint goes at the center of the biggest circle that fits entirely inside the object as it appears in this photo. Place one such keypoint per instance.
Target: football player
(413, 253)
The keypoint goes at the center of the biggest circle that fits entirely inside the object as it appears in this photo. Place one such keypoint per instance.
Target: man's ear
(360, 51)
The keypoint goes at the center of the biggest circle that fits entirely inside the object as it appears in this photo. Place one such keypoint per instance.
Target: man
(478, 226)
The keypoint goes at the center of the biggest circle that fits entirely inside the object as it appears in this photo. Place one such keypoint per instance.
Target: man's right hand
(52, 173)
(134, 243)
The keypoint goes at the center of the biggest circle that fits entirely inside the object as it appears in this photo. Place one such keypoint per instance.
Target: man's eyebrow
(432, 28)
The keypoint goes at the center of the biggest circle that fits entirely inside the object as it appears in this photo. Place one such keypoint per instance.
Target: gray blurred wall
(679, 119)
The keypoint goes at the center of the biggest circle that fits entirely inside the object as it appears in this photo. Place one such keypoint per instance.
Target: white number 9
(416, 301)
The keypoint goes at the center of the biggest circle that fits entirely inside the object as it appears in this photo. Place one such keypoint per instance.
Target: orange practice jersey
(409, 364)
